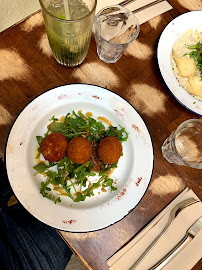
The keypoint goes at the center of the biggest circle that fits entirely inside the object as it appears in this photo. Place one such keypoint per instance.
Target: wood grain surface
(27, 69)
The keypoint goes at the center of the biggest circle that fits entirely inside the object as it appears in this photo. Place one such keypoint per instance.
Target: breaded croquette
(79, 150)
(54, 147)
(110, 150)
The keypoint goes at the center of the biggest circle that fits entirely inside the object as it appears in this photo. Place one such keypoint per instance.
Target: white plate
(170, 34)
(132, 175)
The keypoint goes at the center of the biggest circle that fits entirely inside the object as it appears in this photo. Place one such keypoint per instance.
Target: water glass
(69, 25)
(115, 28)
(184, 145)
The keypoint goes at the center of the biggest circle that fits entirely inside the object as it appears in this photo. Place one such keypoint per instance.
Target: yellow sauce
(104, 120)
(110, 172)
(59, 189)
(89, 185)
(89, 114)
(56, 186)
(103, 189)
(37, 154)
(62, 119)
(62, 192)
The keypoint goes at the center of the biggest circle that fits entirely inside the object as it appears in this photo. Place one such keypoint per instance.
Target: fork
(173, 214)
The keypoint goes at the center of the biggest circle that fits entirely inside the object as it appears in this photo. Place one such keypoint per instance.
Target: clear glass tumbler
(69, 25)
(184, 145)
(115, 28)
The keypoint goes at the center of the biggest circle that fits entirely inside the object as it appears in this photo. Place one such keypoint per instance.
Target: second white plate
(169, 36)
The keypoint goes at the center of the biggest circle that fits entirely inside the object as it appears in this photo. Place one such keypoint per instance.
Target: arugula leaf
(44, 188)
(53, 118)
(41, 167)
(80, 198)
(121, 133)
(196, 54)
(39, 139)
(56, 126)
(109, 183)
(195, 47)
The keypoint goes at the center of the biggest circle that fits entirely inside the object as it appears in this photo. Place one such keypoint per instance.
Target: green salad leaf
(196, 54)
(80, 125)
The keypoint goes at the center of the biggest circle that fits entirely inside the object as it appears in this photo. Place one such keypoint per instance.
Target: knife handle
(171, 254)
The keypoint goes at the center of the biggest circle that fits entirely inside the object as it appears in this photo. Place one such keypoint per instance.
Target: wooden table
(28, 69)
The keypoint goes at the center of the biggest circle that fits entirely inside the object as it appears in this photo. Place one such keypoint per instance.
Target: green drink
(69, 28)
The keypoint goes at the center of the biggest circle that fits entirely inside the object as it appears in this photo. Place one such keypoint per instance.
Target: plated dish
(132, 176)
(171, 34)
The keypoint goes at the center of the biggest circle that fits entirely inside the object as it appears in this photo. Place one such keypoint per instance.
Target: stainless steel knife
(190, 234)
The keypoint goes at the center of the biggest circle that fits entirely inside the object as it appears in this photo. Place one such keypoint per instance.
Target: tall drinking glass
(68, 25)
(115, 29)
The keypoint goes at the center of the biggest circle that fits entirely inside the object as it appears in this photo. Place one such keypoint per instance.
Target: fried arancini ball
(110, 150)
(79, 150)
(54, 147)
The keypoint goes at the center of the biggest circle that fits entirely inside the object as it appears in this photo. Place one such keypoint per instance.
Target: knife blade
(190, 234)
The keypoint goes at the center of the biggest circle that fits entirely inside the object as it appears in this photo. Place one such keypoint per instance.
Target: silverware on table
(147, 6)
(190, 234)
(126, 2)
(173, 214)
(113, 20)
